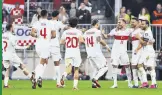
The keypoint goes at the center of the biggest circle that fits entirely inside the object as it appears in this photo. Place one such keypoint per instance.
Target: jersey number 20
(72, 42)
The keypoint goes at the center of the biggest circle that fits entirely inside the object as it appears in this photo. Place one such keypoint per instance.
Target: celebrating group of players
(47, 33)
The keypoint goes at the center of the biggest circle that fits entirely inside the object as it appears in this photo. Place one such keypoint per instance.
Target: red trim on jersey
(121, 37)
(134, 39)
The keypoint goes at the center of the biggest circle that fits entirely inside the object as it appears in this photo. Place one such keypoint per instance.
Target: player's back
(72, 42)
(8, 44)
(43, 28)
(93, 46)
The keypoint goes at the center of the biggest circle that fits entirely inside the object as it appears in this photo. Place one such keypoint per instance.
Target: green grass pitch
(23, 87)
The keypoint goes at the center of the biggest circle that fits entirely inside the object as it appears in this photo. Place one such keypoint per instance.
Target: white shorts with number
(55, 53)
(119, 58)
(74, 61)
(136, 57)
(148, 59)
(98, 62)
(12, 58)
(43, 51)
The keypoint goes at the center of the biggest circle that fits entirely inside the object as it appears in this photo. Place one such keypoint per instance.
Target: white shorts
(98, 62)
(120, 58)
(43, 51)
(55, 53)
(14, 58)
(74, 61)
(135, 58)
(148, 58)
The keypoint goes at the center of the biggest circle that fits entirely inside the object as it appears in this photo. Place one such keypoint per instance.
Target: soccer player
(136, 53)
(44, 32)
(72, 39)
(93, 40)
(55, 46)
(119, 51)
(9, 54)
(148, 54)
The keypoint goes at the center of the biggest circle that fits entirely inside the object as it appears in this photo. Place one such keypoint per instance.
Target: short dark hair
(8, 27)
(73, 22)
(55, 13)
(147, 22)
(94, 22)
(44, 13)
(134, 18)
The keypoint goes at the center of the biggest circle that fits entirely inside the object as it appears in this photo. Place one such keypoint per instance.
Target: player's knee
(22, 66)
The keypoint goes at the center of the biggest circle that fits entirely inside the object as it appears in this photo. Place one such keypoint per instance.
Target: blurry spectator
(157, 19)
(159, 65)
(123, 14)
(73, 10)
(157, 15)
(36, 16)
(83, 14)
(63, 16)
(5, 16)
(129, 12)
(144, 14)
(17, 14)
(88, 5)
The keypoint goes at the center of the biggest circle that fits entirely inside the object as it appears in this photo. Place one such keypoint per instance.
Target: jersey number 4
(5, 45)
(72, 42)
(43, 32)
(89, 41)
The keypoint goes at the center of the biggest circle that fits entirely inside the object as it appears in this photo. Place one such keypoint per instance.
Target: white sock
(115, 70)
(29, 75)
(129, 77)
(135, 77)
(6, 81)
(75, 84)
(38, 71)
(153, 76)
(140, 76)
(143, 74)
(64, 75)
(100, 72)
(58, 75)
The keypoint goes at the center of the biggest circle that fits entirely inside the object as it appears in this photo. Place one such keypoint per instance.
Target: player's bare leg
(153, 77)
(144, 76)
(6, 77)
(115, 71)
(129, 77)
(100, 72)
(76, 77)
(58, 75)
(39, 70)
(135, 76)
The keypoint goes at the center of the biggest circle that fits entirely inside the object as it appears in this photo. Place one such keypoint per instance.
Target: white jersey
(58, 26)
(71, 37)
(135, 41)
(148, 35)
(43, 28)
(121, 38)
(93, 47)
(8, 45)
